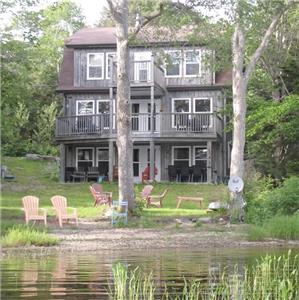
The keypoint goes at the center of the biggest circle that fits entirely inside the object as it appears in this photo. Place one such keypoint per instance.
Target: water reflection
(89, 275)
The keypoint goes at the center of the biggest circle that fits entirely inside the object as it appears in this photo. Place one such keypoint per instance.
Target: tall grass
(271, 277)
(26, 236)
(280, 227)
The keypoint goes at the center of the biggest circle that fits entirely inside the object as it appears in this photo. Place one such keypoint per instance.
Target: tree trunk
(124, 134)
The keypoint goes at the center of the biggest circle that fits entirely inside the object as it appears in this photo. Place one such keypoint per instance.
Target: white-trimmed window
(103, 108)
(95, 66)
(181, 108)
(102, 159)
(85, 107)
(173, 64)
(84, 157)
(202, 105)
(191, 63)
(181, 156)
(110, 57)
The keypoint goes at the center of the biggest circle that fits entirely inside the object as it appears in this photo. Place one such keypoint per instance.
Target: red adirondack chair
(100, 197)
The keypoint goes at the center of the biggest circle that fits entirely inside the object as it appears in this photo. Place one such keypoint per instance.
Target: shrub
(26, 236)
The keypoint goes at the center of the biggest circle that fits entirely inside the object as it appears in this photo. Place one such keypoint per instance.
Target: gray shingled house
(183, 131)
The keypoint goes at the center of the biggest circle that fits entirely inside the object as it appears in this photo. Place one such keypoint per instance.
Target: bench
(181, 199)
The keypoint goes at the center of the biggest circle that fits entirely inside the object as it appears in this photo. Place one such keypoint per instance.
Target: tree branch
(265, 40)
(113, 10)
(139, 25)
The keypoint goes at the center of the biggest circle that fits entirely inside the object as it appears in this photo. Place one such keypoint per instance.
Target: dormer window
(192, 63)
(95, 66)
(173, 66)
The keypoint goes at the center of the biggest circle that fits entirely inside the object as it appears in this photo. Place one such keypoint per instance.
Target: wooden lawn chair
(32, 211)
(100, 197)
(61, 209)
(156, 200)
(146, 192)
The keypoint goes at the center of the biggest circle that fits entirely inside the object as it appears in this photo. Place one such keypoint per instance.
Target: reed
(271, 277)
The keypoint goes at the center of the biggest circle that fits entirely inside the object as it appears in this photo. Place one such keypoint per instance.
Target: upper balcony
(172, 125)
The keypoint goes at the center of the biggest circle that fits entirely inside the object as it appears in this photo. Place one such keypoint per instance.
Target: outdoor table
(181, 199)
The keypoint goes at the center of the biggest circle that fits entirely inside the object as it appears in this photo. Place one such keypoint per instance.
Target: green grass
(271, 277)
(34, 178)
(26, 236)
(280, 227)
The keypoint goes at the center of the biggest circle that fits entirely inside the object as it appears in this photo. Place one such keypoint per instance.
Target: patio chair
(79, 174)
(119, 211)
(93, 173)
(146, 192)
(185, 175)
(99, 189)
(197, 174)
(156, 200)
(172, 173)
(32, 211)
(61, 209)
(100, 197)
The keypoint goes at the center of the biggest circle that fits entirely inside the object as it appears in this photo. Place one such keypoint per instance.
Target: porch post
(209, 162)
(111, 110)
(110, 172)
(62, 163)
(152, 144)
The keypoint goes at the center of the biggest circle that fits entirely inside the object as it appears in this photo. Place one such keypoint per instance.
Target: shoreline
(78, 241)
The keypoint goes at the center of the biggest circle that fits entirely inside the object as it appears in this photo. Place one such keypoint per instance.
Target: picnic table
(181, 199)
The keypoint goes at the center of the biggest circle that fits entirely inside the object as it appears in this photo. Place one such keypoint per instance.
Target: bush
(280, 227)
(26, 236)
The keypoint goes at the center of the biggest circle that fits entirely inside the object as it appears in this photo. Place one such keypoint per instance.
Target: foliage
(264, 201)
(32, 47)
(273, 135)
(280, 227)
(270, 277)
(26, 236)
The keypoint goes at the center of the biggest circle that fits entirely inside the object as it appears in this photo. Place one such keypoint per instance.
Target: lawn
(39, 178)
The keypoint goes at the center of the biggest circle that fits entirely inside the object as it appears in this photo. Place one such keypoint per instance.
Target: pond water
(88, 275)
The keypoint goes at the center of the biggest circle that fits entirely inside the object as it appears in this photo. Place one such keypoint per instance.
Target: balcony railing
(143, 72)
(162, 124)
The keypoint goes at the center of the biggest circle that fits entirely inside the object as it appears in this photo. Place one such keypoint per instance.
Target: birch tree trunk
(120, 13)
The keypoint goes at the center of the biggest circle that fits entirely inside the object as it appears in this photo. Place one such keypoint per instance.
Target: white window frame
(108, 113)
(172, 108)
(77, 107)
(203, 98)
(180, 65)
(202, 147)
(192, 63)
(107, 63)
(84, 148)
(176, 147)
(102, 59)
(97, 157)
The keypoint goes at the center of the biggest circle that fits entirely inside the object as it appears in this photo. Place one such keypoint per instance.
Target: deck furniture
(146, 174)
(100, 197)
(197, 174)
(185, 174)
(172, 173)
(156, 200)
(181, 199)
(119, 212)
(61, 209)
(79, 174)
(69, 171)
(32, 210)
(146, 192)
(92, 173)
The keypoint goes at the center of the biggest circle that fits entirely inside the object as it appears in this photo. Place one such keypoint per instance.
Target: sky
(91, 9)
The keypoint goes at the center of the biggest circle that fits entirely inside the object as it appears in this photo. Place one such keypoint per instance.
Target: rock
(32, 156)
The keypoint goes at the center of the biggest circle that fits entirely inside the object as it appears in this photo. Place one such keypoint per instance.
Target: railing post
(111, 110)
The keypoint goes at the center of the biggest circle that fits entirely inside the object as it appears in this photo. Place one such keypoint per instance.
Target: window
(110, 57)
(202, 105)
(103, 160)
(180, 108)
(85, 107)
(142, 66)
(192, 63)
(181, 156)
(84, 157)
(95, 64)
(173, 66)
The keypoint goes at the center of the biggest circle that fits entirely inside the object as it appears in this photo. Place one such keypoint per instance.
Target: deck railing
(163, 124)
